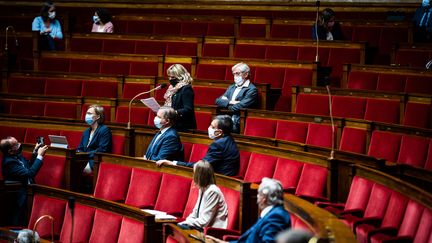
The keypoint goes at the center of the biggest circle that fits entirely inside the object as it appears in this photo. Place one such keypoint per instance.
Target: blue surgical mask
(425, 3)
(157, 122)
(238, 80)
(89, 119)
(96, 18)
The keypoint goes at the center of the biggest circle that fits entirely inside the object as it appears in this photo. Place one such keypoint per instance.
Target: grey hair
(169, 114)
(294, 236)
(272, 190)
(242, 66)
(225, 123)
(26, 236)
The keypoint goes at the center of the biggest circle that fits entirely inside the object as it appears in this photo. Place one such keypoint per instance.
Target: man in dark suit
(16, 168)
(223, 153)
(96, 138)
(166, 143)
(273, 218)
(242, 94)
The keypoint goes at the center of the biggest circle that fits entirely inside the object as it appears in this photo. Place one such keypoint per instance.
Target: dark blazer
(18, 168)
(101, 142)
(322, 32)
(266, 228)
(223, 155)
(183, 103)
(248, 97)
(168, 146)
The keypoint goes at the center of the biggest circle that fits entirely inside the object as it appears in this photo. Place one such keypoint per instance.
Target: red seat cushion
(26, 85)
(260, 166)
(382, 110)
(173, 194)
(131, 231)
(112, 182)
(260, 127)
(417, 115)
(143, 188)
(313, 181)
(362, 80)
(385, 145)
(312, 104)
(413, 150)
(62, 110)
(348, 107)
(353, 140)
(83, 222)
(118, 144)
(232, 199)
(43, 205)
(63, 87)
(106, 226)
(319, 135)
(288, 172)
(292, 131)
(52, 172)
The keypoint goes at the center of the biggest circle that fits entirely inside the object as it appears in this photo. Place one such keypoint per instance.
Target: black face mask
(174, 81)
(18, 151)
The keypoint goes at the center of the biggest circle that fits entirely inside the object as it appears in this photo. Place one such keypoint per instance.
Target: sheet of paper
(151, 103)
(159, 214)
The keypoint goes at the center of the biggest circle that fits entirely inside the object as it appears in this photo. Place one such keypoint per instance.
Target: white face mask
(157, 122)
(52, 15)
(238, 80)
(211, 133)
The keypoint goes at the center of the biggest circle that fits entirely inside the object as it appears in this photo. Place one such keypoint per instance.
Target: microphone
(142, 93)
(71, 204)
(332, 123)
(52, 226)
(317, 3)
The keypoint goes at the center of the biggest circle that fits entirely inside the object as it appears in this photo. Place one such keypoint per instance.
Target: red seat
(114, 67)
(348, 107)
(203, 119)
(112, 182)
(86, 44)
(85, 65)
(173, 194)
(28, 108)
(205, 95)
(353, 140)
(249, 51)
(417, 115)
(150, 47)
(52, 172)
(288, 31)
(83, 217)
(54, 64)
(62, 110)
(33, 133)
(63, 87)
(198, 152)
(215, 50)
(313, 182)
(209, 71)
(412, 57)
(106, 227)
(26, 85)
(292, 131)
(413, 150)
(308, 53)
(220, 29)
(260, 166)
(139, 115)
(391, 82)
(144, 68)
(181, 49)
(382, 110)
(288, 172)
(193, 29)
(319, 135)
(99, 89)
(16, 132)
(167, 28)
(43, 205)
(118, 144)
(192, 200)
(260, 127)
(418, 84)
(392, 218)
(362, 80)
(376, 206)
(139, 27)
(428, 164)
(143, 188)
(187, 148)
(339, 56)
(312, 104)
(273, 76)
(424, 231)
(385, 145)
(73, 137)
(132, 89)
(118, 46)
(244, 162)
(131, 231)
(281, 52)
(252, 30)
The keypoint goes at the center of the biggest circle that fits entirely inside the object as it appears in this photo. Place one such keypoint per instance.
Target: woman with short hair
(102, 21)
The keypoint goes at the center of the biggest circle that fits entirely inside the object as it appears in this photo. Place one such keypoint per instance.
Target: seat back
(259, 127)
(359, 194)
(143, 188)
(411, 219)
(348, 107)
(292, 131)
(312, 104)
(244, 162)
(83, 216)
(112, 182)
(313, 181)
(192, 200)
(232, 199)
(173, 194)
(43, 205)
(319, 135)
(198, 152)
(131, 231)
(417, 115)
(413, 150)
(382, 110)
(395, 210)
(424, 231)
(52, 173)
(106, 227)
(288, 172)
(378, 201)
(260, 166)
(384, 145)
(353, 140)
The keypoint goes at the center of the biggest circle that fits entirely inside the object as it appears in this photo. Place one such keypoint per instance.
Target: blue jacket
(18, 168)
(223, 155)
(266, 228)
(248, 97)
(168, 146)
(39, 25)
(101, 142)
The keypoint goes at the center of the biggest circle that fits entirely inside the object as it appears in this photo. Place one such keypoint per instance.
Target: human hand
(233, 102)
(144, 157)
(224, 98)
(87, 169)
(41, 151)
(164, 161)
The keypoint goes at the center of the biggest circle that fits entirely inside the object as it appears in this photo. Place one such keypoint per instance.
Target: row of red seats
(372, 109)
(91, 224)
(376, 213)
(394, 147)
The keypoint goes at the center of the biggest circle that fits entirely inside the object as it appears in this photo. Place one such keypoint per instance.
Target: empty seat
(203, 119)
(63, 87)
(26, 85)
(385, 145)
(348, 107)
(83, 217)
(112, 182)
(132, 89)
(413, 150)
(118, 46)
(99, 89)
(28, 108)
(139, 115)
(418, 84)
(131, 231)
(52, 173)
(288, 172)
(173, 194)
(73, 137)
(353, 140)
(62, 110)
(143, 188)
(205, 95)
(260, 166)
(382, 110)
(85, 65)
(319, 135)
(312, 104)
(417, 115)
(114, 67)
(292, 131)
(249, 51)
(362, 80)
(391, 82)
(198, 152)
(44, 205)
(244, 162)
(118, 144)
(313, 183)
(33, 133)
(270, 75)
(260, 127)
(106, 227)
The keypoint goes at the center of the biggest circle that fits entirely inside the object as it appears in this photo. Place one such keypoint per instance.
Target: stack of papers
(159, 214)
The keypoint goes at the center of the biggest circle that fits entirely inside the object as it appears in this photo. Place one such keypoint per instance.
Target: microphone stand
(316, 31)
(52, 226)
(142, 93)
(332, 123)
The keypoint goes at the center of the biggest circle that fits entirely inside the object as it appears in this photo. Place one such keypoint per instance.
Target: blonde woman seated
(210, 208)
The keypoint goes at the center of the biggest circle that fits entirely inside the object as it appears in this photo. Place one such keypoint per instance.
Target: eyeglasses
(237, 73)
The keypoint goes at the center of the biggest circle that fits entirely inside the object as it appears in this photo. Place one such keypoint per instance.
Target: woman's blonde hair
(180, 72)
(203, 174)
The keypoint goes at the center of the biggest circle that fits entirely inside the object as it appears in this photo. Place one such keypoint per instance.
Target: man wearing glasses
(240, 95)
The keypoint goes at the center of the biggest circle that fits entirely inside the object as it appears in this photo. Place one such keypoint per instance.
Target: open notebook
(58, 141)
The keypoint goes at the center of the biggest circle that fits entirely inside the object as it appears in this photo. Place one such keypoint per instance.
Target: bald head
(7, 144)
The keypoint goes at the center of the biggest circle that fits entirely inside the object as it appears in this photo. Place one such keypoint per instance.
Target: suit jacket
(322, 32)
(266, 228)
(168, 146)
(183, 103)
(223, 155)
(18, 168)
(101, 142)
(248, 97)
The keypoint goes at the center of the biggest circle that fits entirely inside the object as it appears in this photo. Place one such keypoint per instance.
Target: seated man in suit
(273, 218)
(166, 143)
(16, 168)
(223, 153)
(96, 138)
(242, 94)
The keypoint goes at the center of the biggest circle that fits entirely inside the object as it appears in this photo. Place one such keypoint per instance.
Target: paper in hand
(151, 103)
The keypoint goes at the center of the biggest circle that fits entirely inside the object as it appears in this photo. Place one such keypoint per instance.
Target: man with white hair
(273, 218)
(242, 94)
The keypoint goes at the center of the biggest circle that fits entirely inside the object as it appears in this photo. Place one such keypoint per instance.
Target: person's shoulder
(172, 132)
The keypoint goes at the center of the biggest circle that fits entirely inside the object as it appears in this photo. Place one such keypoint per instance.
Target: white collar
(245, 84)
(164, 129)
(266, 211)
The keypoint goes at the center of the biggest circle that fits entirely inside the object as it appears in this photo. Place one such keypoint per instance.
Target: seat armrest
(370, 220)
(355, 212)
(330, 204)
(313, 199)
